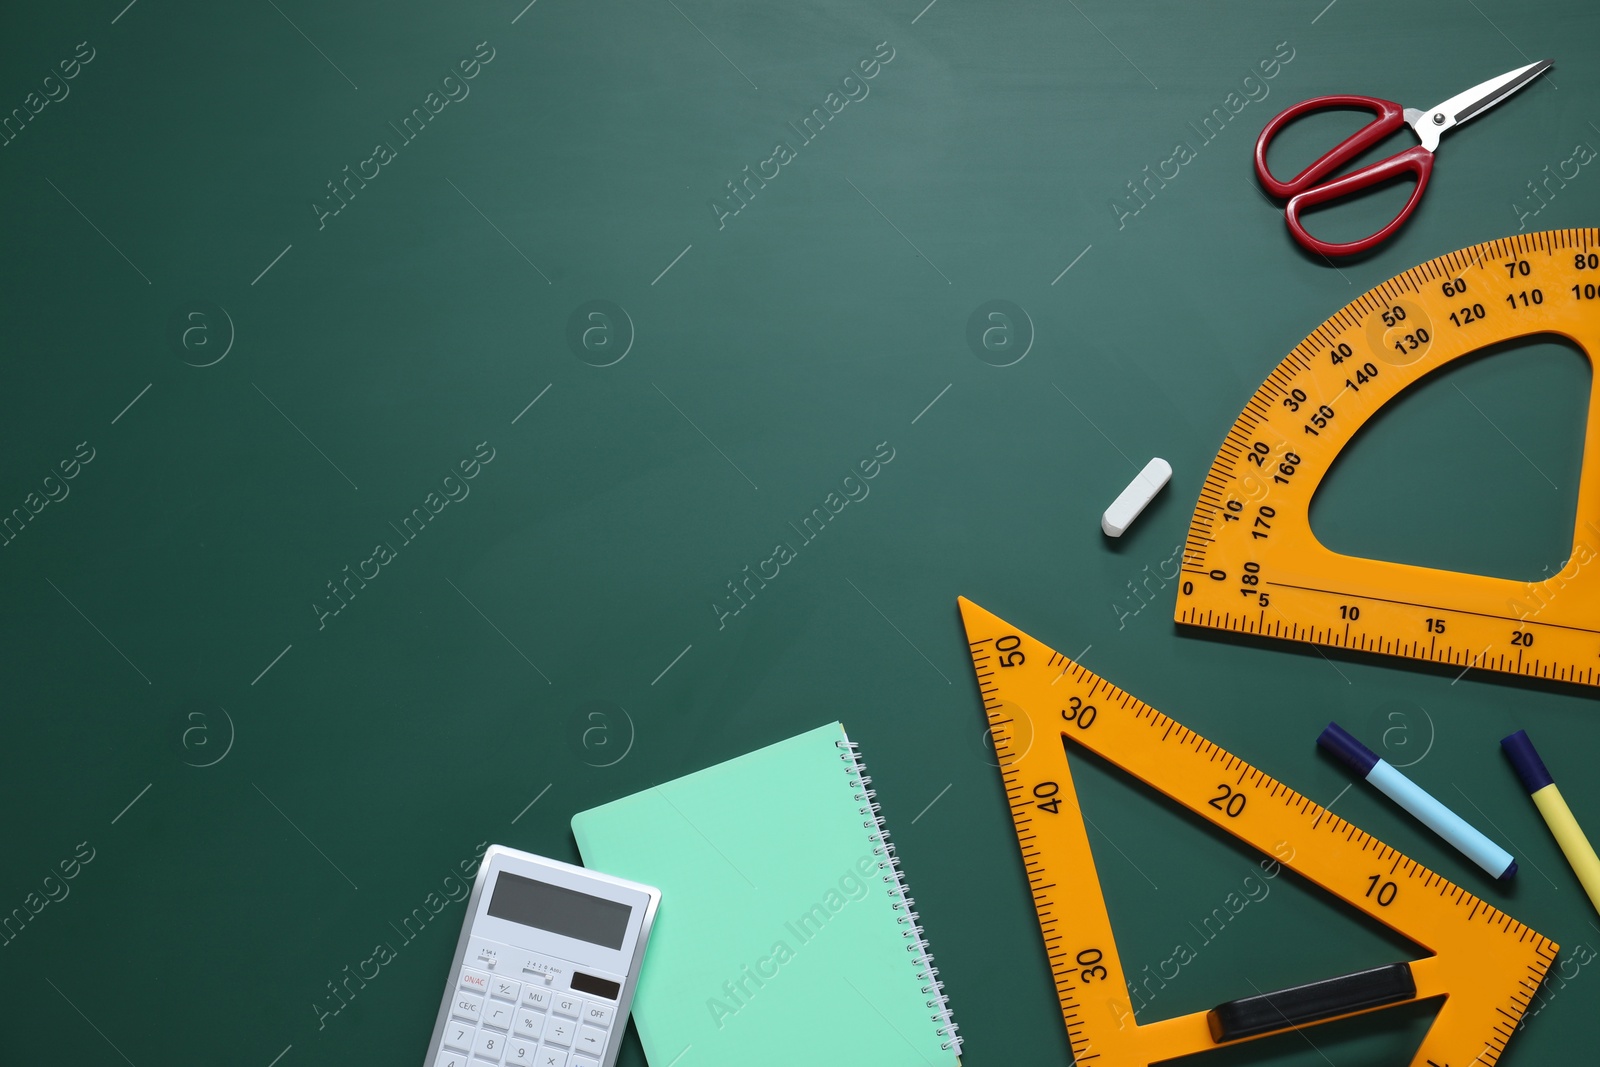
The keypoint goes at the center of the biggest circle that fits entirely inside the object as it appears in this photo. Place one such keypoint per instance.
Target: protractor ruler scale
(1251, 563)
(1484, 964)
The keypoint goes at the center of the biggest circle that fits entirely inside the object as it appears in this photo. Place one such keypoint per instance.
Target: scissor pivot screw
(1438, 119)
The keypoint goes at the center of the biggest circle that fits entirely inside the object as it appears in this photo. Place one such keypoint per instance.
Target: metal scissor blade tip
(1484, 96)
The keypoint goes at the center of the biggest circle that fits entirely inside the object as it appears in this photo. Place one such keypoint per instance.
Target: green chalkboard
(397, 399)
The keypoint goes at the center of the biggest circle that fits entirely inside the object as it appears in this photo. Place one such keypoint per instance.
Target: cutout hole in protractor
(1474, 468)
(1197, 919)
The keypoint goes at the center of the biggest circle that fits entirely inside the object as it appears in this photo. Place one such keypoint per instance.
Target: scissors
(1304, 190)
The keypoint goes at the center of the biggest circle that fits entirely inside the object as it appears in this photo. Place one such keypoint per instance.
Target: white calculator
(546, 966)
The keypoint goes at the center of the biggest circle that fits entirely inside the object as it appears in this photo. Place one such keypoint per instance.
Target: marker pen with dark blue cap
(1418, 801)
(1542, 788)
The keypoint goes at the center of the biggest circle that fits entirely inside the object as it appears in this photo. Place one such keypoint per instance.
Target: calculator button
(550, 1057)
(451, 1059)
(598, 1014)
(490, 1045)
(591, 1039)
(504, 989)
(565, 1005)
(474, 981)
(467, 1006)
(559, 1032)
(497, 1015)
(535, 997)
(520, 1053)
(583, 1061)
(458, 1036)
(529, 1023)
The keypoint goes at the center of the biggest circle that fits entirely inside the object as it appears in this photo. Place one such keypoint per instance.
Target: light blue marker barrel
(1418, 801)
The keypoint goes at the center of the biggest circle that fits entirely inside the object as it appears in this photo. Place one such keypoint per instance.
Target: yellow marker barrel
(1563, 825)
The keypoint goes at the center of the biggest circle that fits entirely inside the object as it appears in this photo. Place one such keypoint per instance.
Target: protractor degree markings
(1433, 607)
(1211, 547)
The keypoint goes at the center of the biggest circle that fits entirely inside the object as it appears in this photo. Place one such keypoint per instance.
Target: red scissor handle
(1303, 190)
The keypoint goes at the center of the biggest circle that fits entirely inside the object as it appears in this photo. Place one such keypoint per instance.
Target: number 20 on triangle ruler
(1251, 563)
(1483, 964)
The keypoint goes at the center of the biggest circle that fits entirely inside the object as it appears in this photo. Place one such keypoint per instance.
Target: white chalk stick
(1132, 500)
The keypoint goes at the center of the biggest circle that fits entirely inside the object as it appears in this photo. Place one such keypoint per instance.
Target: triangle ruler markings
(1251, 563)
(1484, 963)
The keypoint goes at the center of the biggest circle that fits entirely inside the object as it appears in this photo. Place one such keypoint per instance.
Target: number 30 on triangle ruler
(1484, 964)
(1252, 564)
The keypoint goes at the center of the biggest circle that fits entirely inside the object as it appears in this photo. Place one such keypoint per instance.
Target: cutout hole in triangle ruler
(1484, 964)
(1251, 563)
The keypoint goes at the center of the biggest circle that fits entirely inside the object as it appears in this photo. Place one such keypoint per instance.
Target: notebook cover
(781, 938)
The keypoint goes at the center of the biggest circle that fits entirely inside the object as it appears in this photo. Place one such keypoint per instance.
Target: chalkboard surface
(412, 413)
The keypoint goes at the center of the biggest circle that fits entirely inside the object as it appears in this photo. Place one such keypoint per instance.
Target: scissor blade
(1480, 98)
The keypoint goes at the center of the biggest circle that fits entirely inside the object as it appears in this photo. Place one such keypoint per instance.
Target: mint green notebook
(785, 935)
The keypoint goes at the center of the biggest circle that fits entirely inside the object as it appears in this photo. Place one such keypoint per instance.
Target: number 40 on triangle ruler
(1484, 964)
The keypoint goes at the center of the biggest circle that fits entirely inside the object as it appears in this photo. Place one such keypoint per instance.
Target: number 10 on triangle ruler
(1482, 963)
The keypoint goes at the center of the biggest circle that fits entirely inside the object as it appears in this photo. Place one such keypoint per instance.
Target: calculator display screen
(559, 910)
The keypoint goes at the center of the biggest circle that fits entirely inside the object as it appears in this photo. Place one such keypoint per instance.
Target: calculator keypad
(497, 1021)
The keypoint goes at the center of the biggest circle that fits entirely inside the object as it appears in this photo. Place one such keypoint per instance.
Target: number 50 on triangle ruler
(1484, 964)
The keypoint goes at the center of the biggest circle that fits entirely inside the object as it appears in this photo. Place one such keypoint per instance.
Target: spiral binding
(938, 1003)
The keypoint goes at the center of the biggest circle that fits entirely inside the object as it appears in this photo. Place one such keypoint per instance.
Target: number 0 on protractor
(1484, 964)
(1251, 563)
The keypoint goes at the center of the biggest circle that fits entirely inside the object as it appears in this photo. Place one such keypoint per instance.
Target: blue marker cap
(1337, 741)
(1526, 762)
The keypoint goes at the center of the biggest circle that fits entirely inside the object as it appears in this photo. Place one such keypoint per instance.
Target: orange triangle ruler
(1484, 964)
